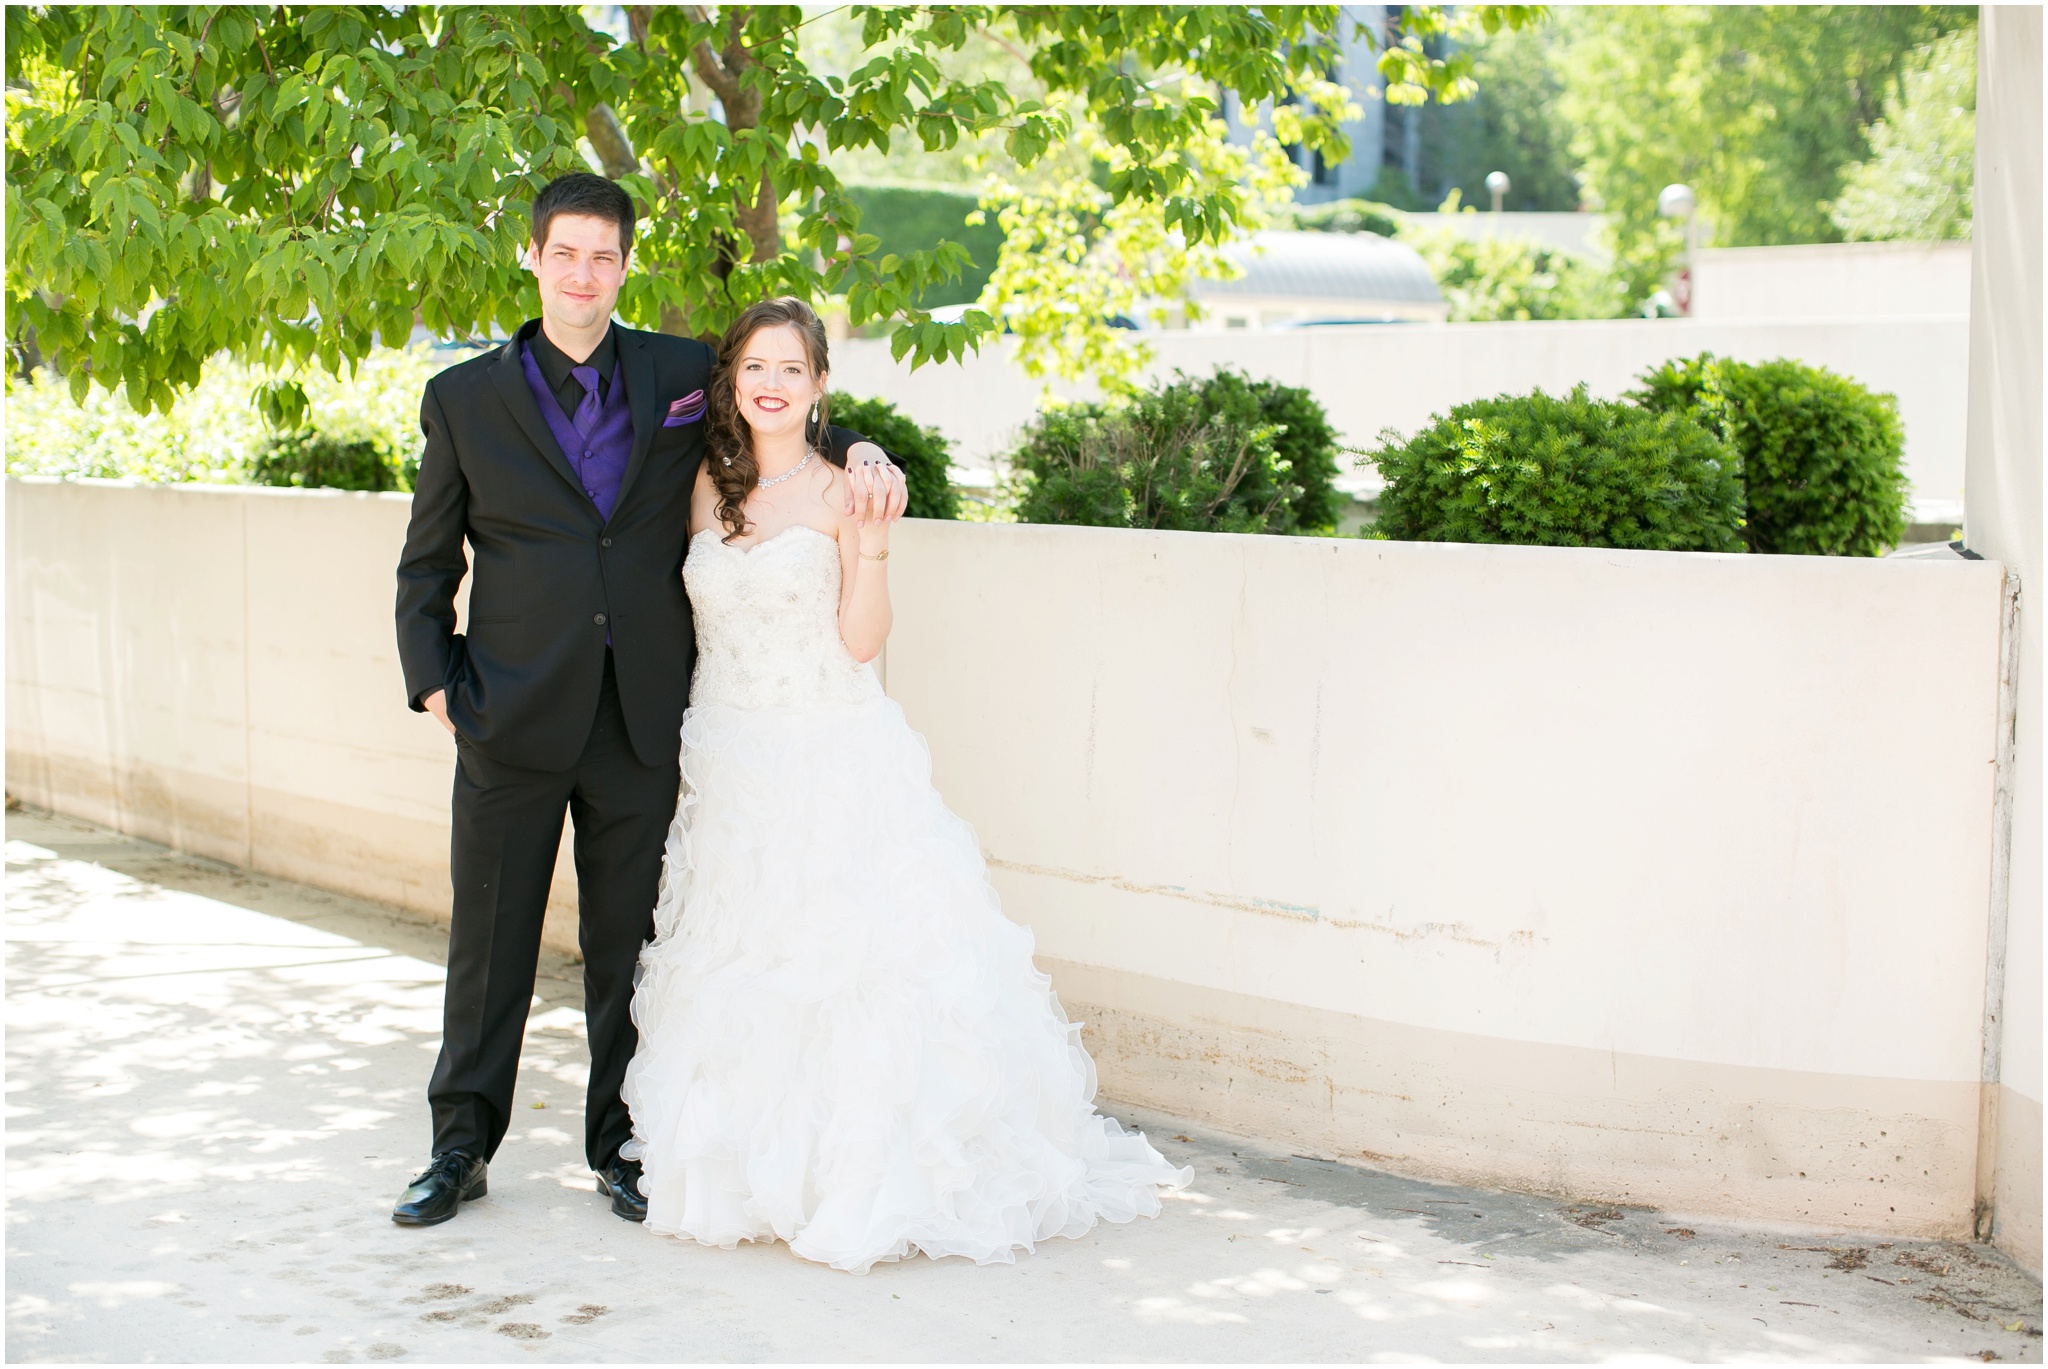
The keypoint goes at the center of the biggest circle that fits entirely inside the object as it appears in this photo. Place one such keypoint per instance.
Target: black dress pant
(507, 830)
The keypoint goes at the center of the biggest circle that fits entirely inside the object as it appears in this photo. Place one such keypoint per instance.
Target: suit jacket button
(597, 618)
(604, 541)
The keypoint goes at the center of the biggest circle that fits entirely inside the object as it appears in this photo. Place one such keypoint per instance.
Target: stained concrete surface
(214, 1087)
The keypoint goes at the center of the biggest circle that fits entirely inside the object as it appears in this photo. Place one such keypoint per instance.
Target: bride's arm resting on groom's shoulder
(874, 501)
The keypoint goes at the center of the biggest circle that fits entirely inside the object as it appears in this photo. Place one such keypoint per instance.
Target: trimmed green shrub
(1220, 453)
(1822, 457)
(1301, 435)
(927, 459)
(1150, 466)
(915, 218)
(310, 459)
(1567, 471)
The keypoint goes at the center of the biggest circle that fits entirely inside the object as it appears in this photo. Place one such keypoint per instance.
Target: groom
(565, 459)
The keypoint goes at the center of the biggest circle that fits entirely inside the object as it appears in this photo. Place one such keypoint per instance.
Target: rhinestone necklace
(761, 484)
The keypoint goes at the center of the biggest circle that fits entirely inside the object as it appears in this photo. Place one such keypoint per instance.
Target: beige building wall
(2003, 520)
(1865, 281)
(1647, 877)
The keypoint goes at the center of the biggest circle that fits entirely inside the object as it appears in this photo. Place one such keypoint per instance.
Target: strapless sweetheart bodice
(768, 623)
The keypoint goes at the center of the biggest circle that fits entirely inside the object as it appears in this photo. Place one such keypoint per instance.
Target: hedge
(912, 218)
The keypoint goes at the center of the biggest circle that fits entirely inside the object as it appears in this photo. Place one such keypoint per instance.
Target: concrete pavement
(214, 1087)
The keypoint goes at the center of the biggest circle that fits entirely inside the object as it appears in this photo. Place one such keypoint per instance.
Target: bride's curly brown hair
(730, 442)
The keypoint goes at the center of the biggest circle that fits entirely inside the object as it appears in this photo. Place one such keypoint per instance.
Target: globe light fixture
(1678, 202)
(1497, 184)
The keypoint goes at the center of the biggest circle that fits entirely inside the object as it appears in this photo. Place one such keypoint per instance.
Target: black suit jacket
(549, 577)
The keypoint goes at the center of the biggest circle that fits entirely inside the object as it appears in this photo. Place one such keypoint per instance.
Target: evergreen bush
(1148, 468)
(1822, 457)
(1567, 471)
(1301, 434)
(927, 458)
(1220, 453)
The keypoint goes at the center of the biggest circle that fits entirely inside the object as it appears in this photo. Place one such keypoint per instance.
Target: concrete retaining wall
(215, 668)
(1646, 877)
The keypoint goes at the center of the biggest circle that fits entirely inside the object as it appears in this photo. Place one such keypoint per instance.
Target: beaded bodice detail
(768, 623)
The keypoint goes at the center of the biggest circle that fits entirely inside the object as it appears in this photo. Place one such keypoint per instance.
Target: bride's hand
(876, 491)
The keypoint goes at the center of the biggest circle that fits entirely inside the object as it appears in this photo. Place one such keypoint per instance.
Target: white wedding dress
(843, 1042)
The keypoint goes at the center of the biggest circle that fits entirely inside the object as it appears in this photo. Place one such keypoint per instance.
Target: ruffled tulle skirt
(844, 1044)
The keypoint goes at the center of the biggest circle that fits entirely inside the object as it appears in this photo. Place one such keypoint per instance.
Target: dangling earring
(814, 411)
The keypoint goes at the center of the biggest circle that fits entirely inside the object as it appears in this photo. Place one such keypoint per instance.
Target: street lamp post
(1678, 202)
(1497, 183)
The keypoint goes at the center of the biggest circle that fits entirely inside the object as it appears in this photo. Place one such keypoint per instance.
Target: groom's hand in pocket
(436, 703)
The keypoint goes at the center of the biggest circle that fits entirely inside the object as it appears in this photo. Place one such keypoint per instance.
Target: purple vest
(600, 458)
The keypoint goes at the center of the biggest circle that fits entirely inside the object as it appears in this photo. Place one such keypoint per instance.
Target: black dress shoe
(452, 1178)
(620, 1181)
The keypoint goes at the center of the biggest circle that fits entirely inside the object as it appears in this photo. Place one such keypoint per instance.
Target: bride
(843, 1042)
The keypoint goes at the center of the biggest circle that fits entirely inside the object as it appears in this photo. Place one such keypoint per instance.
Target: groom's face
(580, 268)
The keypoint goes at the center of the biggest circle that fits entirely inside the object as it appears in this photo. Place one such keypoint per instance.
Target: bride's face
(774, 382)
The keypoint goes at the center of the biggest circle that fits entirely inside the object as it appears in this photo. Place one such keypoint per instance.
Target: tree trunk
(722, 71)
(608, 139)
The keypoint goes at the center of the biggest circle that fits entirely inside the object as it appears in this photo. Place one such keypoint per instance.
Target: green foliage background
(298, 184)
(1758, 108)
(214, 433)
(1792, 123)
(1919, 182)
(1511, 125)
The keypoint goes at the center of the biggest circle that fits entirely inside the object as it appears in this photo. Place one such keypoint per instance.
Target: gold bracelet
(883, 557)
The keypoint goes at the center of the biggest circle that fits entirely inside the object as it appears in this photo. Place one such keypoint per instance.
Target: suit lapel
(645, 399)
(510, 377)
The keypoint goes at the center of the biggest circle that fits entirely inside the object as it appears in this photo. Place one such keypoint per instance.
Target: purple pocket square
(688, 409)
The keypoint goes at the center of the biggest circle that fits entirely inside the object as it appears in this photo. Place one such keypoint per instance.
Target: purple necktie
(590, 409)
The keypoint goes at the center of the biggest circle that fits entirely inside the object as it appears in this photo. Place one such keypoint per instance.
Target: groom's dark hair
(581, 192)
